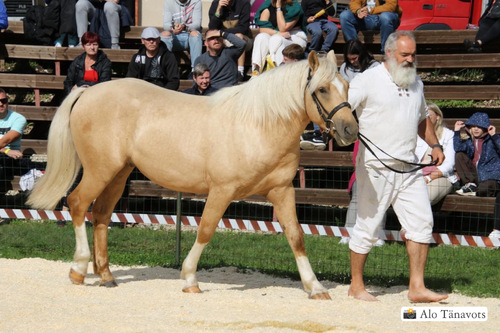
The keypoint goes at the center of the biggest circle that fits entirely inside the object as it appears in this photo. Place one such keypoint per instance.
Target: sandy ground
(37, 296)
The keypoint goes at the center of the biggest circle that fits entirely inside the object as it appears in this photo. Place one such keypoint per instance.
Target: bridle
(325, 115)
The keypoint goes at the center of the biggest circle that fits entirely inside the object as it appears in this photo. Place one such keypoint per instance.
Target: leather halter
(325, 115)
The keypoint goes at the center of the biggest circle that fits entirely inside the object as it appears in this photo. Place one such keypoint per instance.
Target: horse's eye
(322, 90)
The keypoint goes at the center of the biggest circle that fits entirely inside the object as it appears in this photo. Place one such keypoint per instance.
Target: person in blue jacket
(4, 20)
(477, 160)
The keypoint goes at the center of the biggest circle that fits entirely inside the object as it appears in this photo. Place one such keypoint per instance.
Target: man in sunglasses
(12, 125)
(221, 59)
(154, 62)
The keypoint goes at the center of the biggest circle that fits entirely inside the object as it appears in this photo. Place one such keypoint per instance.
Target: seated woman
(281, 23)
(90, 67)
(357, 59)
(489, 29)
(440, 180)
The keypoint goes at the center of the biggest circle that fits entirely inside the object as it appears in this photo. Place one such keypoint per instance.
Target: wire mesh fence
(329, 259)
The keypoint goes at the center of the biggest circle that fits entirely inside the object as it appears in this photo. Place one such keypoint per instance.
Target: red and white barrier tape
(242, 224)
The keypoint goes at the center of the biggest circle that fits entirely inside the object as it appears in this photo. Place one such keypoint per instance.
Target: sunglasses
(212, 38)
(4, 100)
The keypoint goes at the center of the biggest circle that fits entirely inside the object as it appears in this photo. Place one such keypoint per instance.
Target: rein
(329, 123)
(363, 139)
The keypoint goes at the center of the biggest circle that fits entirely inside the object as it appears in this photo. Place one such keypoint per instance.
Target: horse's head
(326, 99)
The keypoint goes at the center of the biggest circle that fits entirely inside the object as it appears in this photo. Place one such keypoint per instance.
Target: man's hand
(178, 28)
(437, 155)
(363, 12)
(15, 154)
(310, 19)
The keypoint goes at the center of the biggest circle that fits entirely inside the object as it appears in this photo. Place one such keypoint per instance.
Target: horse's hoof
(324, 295)
(75, 277)
(192, 290)
(108, 284)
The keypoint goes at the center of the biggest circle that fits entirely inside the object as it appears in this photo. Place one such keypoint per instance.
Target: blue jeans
(316, 30)
(185, 42)
(386, 22)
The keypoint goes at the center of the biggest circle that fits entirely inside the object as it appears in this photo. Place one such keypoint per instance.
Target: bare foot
(362, 295)
(425, 296)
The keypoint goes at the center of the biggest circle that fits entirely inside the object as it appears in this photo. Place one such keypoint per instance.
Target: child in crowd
(293, 53)
(477, 160)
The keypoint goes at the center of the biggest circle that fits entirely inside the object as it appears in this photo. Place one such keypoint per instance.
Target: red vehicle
(427, 14)
(440, 14)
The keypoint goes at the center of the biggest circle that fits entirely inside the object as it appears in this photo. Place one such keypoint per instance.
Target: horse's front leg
(283, 199)
(217, 202)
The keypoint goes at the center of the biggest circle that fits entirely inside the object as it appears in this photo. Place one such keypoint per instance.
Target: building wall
(151, 12)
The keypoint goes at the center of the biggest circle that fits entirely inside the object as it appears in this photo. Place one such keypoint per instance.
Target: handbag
(494, 11)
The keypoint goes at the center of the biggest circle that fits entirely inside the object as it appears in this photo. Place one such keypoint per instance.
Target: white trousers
(378, 188)
(265, 44)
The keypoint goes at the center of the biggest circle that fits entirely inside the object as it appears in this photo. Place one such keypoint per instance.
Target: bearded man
(391, 110)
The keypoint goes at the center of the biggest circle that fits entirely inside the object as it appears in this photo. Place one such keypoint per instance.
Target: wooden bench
(372, 37)
(311, 196)
(61, 54)
(320, 196)
(39, 82)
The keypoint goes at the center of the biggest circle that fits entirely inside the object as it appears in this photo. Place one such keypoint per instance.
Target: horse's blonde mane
(274, 95)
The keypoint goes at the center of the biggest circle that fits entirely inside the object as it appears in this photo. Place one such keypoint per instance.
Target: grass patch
(467, 270)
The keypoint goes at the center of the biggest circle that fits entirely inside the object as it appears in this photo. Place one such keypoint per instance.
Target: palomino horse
(243, 140)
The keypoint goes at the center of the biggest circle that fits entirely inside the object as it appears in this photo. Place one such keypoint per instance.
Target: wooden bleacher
(449, 56)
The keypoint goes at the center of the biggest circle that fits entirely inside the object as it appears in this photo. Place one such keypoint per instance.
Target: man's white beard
(401, 75)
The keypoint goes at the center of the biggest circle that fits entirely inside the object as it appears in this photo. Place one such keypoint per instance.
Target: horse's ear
(313, 62)
(331, 56)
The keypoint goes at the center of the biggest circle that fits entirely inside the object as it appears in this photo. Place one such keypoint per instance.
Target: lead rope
(419, 166)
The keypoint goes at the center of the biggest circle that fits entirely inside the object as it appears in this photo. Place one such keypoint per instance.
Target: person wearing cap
(182, 27)
(221, 60)
(154, 62)
(12, 125)
(201, 78)
(477, 158)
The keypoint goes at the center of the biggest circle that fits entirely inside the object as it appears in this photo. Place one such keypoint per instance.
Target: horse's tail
(63, 163)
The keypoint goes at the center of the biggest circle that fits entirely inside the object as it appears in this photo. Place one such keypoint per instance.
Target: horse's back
(130, 121)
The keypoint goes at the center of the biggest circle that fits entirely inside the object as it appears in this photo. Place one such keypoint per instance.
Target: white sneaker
(494, 234)
(344, 240)
(115, 46)
(58, 45)
(379, 242)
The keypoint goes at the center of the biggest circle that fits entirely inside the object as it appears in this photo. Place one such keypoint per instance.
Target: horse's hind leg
(216, 204)
(283, 199)
(101, 217)
(78, 201)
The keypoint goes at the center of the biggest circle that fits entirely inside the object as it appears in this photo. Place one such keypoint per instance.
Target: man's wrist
(437, 145)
